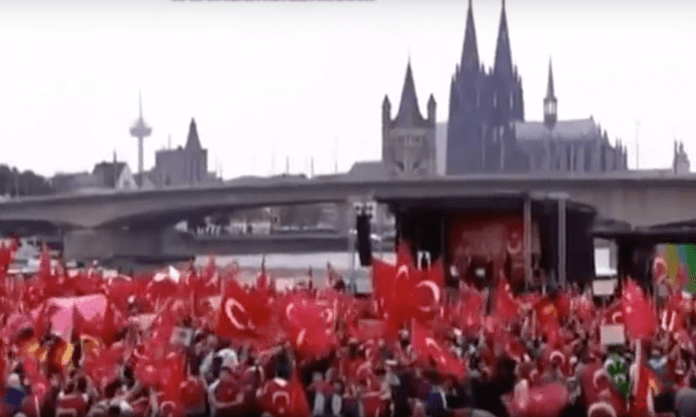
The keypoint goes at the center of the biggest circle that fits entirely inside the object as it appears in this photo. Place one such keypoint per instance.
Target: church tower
(550, 103)
(467, 124)
(408, 141)
(508, 106)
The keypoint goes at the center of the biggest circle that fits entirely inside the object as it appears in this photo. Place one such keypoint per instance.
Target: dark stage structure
(534, 239)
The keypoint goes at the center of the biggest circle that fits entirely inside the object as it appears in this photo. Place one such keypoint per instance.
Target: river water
(296, 266)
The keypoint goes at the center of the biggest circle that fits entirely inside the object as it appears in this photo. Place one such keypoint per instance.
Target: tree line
(22, 183)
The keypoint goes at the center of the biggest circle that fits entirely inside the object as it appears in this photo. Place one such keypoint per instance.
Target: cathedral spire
(470, 58)
(549, 87)
(550, 102)
(408, 108)
(193, 142)
(503, 56)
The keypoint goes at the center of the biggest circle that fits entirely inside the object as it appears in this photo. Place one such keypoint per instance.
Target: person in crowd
(72, 402)
(379, 377)
(685, 400)
(436, 402)
(15, 393)
(226, 396)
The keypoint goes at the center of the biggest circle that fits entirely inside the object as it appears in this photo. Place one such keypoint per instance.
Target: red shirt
(192, 393)
(227, 392)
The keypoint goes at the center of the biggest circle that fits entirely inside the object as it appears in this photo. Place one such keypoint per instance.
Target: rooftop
(565, 130)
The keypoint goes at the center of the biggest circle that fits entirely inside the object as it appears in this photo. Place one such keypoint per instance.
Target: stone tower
(408, 140)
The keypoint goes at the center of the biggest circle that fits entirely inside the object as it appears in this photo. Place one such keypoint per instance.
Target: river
(296, 266)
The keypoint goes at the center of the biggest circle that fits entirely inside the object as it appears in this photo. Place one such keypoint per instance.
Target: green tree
(27, 183)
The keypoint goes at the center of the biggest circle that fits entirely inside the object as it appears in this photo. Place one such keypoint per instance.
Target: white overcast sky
(307, 79)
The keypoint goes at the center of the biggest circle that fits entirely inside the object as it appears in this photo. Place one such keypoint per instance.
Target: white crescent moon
(281, 394)
(402, 271)
(606, 407)
(515, 249)
(429, 342)
(557, 354)
(229, 304)
(436, 294)
(615, 317)
(327, 314)
(598, 374)
(301, 336)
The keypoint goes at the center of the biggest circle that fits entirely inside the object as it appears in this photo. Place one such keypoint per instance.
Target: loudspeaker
(364, 243)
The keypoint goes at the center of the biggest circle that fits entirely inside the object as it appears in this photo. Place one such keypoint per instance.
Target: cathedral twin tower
(483, 105)
(486, 130)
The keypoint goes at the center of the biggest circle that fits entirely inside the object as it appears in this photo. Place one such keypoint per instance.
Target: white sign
(612, 334)
(604, 287)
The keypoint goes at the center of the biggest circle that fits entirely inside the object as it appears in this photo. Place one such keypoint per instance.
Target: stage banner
(490, 242)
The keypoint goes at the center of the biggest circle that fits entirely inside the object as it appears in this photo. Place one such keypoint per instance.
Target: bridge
(140, 221)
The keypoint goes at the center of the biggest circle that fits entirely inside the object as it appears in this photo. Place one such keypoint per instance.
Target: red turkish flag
(394, 292)
(563, 305)
(614, 314)
(310, 326)
(646, 385)
(469, 311)
(242, 314)
(403, 255)
(583, 308)
(638, 312)
(542, 401)
(383, 274)
(282, 398)
(597, 388)
(429, 349)
(436, 273)
(505, 307)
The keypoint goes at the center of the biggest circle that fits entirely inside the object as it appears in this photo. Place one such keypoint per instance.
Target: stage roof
(494, 200)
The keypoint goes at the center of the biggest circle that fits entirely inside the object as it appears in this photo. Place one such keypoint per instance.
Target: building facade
(487, 132)
(408, 140)
(105, 176)
(567, 145)
(186, 165)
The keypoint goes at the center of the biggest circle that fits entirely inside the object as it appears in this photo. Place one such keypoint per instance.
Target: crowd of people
(202, 343)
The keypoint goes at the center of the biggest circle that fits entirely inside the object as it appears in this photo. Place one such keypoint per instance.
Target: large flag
(433, 352)
(542, 401)
(639, 316)
(505, 307)
(646, 386)
(310, 326)
(242, 314)
(283, 398)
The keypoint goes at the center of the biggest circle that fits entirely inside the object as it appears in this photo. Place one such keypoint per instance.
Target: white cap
(13, 381)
